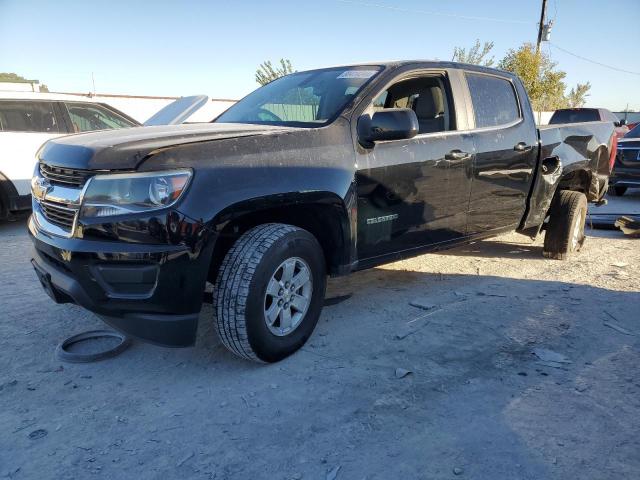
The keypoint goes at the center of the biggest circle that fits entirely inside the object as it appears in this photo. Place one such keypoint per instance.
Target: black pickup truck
(321, 172)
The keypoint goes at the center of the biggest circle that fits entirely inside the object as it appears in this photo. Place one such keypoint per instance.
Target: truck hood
(125, 149)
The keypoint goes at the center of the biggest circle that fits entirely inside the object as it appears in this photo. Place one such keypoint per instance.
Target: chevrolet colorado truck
(318, 173)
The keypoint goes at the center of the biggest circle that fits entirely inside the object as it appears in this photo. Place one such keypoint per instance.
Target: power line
(431, 12)
(593, 61)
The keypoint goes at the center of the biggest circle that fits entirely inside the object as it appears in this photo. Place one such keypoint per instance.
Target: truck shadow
(474, 317)
(496, 249)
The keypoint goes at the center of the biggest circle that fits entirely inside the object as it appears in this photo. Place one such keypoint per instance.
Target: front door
(414, 193)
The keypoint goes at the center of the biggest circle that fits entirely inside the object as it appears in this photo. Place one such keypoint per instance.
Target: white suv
(27, 120)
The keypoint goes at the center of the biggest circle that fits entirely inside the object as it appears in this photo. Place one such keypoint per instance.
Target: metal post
(541, 25)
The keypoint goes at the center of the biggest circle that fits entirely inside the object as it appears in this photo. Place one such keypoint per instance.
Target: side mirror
(388, 124)
(621, 123)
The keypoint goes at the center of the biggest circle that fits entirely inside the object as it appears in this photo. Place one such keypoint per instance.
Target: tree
(543, 82)
(14, 77)
(266, 73)
(477, 55)
(578, 95)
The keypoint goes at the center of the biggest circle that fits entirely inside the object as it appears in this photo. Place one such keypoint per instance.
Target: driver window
(426, 96)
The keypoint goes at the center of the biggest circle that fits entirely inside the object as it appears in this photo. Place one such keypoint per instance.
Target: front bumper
(151, 292)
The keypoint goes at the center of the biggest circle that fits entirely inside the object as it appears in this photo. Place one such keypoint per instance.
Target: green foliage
(11, 77)
(266, 73)
(14, 77)
(542, 79)
(543, 82)
(578, 95)
(477, 55)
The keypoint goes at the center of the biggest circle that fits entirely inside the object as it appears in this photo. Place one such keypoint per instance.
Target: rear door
(413, 193)
(506, 150)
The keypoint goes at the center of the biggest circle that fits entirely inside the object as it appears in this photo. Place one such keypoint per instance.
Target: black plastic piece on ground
(328, 302)
(67, 356)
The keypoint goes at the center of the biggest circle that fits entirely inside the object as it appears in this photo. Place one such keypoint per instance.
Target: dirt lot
(478, 402)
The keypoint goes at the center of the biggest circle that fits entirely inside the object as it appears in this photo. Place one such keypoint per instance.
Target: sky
(188, 47)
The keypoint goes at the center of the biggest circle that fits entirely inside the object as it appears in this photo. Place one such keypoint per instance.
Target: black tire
(240, 288)
(568, 212)
(619, 191)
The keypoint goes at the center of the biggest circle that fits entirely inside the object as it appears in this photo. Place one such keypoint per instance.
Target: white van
(27, 120)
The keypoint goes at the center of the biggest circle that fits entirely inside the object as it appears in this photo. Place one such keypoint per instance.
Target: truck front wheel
(269, 292)
(565, 230)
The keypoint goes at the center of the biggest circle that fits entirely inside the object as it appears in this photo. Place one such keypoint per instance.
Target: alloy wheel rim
(288, 296)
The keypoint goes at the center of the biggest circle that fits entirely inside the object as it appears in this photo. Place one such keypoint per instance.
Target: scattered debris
(333, 473)
(620, 264)
(615, 326)
(12, 383)
(618, 328)
(185, 459)
(412, 327)
(482, 294)
(36, 434)
(458, 471)
(629, 226)
(560, 366)
(581, 387)
(550, 356)
(423, 304)
(402, 372)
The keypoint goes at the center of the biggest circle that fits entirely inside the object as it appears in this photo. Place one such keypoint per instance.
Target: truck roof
(422, 63)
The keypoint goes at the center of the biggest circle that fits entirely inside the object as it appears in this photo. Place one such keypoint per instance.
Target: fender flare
(339, 219)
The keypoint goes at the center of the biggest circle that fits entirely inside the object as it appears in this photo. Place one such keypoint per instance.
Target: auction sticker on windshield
(358, 74)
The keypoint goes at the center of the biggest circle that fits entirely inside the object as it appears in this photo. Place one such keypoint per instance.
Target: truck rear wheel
(269, 292)
(565, 231)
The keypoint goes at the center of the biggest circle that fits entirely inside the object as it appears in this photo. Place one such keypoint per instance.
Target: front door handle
(522, 147)
(457, 155)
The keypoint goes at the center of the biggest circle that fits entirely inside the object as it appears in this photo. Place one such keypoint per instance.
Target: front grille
(65, 176)
(58, 214)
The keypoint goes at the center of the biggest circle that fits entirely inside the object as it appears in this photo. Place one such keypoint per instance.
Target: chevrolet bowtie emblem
(66, 255)
(40, 186)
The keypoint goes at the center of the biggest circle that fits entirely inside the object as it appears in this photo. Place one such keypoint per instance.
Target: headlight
(122, 193)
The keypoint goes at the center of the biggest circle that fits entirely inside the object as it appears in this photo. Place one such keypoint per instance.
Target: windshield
(634, 132)
(306, 99)
(575, 115)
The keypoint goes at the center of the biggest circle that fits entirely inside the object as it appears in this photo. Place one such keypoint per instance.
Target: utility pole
(541, 25)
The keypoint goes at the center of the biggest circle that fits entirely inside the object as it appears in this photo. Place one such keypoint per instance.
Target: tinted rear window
(494, 100)
(27, 116)
(576, 115)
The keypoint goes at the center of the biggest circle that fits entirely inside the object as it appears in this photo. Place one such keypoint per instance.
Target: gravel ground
(478, 403)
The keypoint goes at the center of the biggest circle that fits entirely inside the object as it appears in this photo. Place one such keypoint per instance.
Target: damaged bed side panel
(572, 157)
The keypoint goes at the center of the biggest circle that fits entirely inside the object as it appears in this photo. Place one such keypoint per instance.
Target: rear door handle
(522, 147)
(457, 155)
